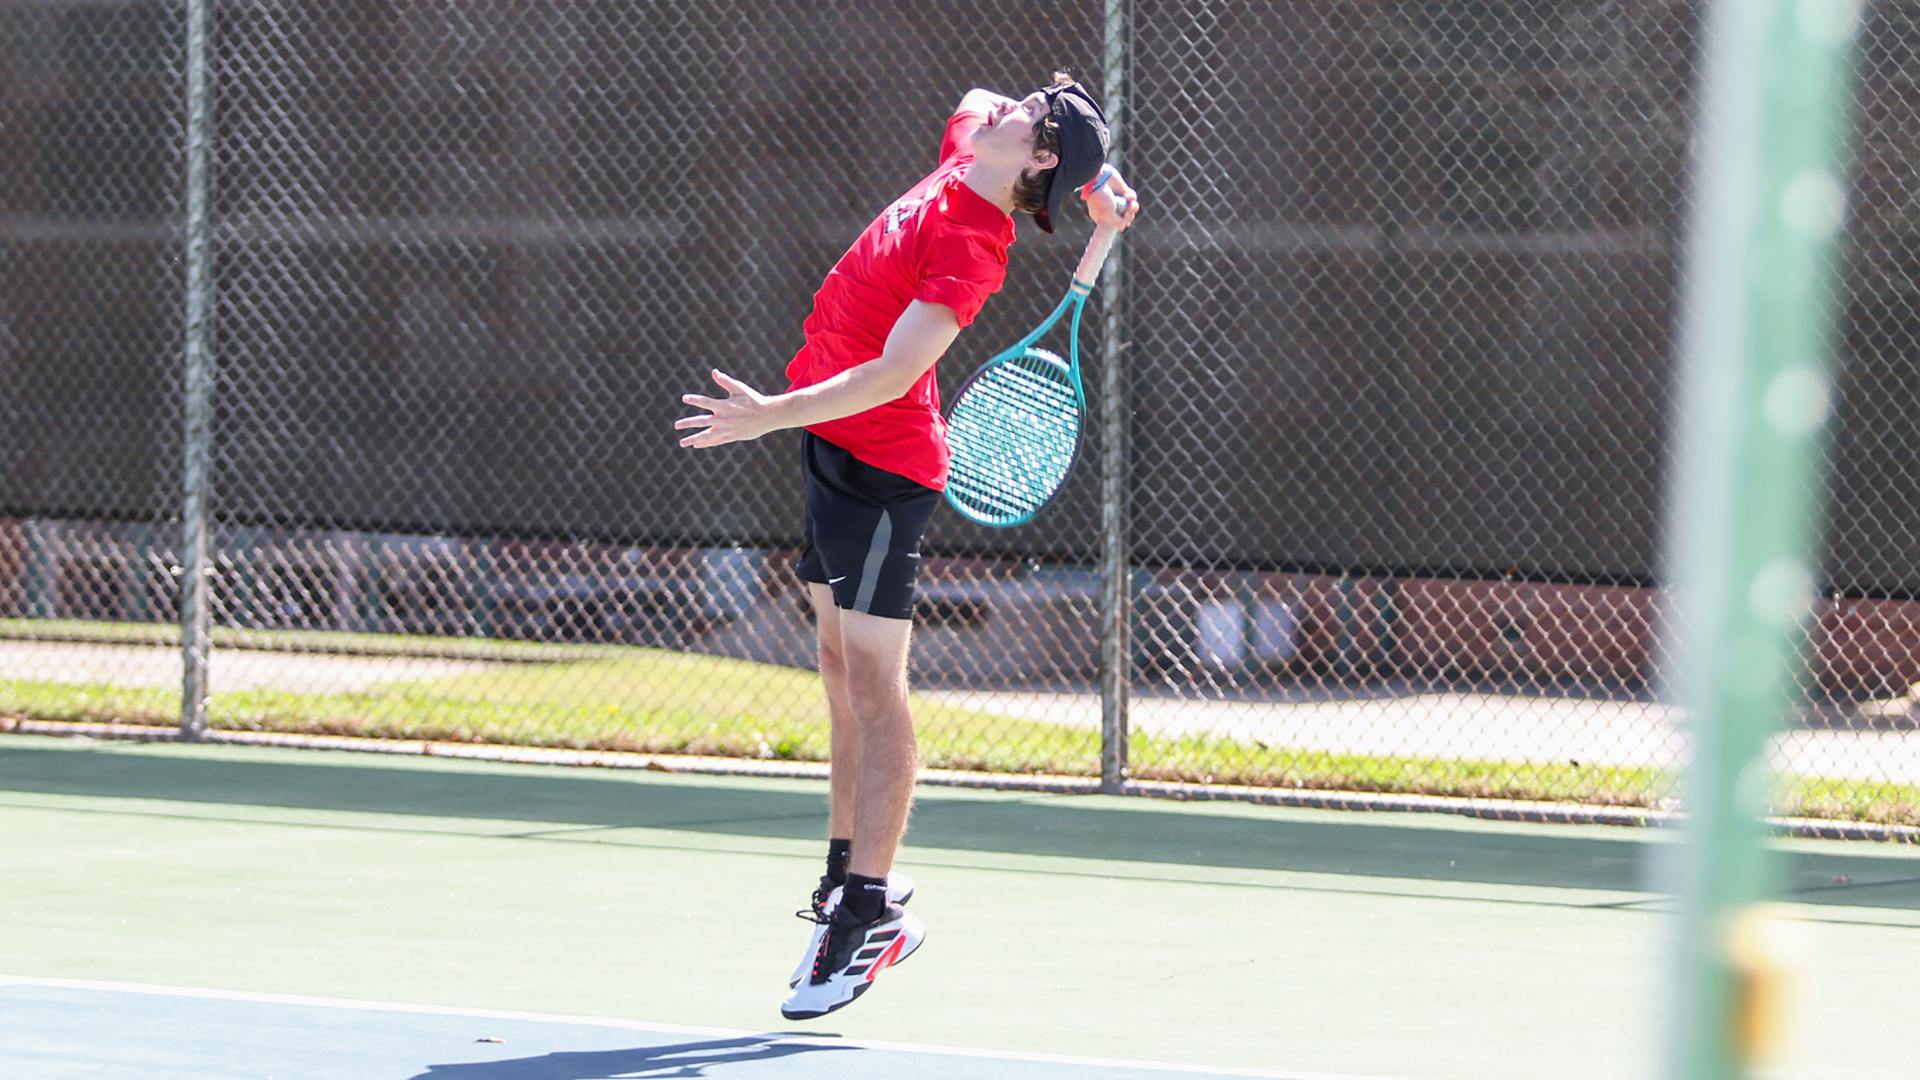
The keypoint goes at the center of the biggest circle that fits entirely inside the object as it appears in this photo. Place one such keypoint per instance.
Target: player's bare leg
(868, 930)
(843, 778)
(874, 651)
(844, 782)
(844, 746)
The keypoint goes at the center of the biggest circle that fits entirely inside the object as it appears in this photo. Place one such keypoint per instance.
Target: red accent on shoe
(886, 959)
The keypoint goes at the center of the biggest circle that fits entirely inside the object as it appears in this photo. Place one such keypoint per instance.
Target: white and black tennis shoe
(850, 956)
(826, 900)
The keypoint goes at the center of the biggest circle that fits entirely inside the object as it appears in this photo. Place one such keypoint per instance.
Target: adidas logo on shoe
(826, 900)
(850, 957)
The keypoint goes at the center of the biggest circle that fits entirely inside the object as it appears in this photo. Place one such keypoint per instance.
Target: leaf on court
(490, 1038)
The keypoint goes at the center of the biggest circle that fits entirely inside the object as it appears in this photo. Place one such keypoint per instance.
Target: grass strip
(1850, 800)
(642, 700)
(654, 701)
(1215, 760)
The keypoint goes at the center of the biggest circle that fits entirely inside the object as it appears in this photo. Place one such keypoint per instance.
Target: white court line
(642, 1025)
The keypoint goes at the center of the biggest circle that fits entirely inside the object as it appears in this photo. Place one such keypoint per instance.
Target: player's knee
(875, 695)
(833, 659)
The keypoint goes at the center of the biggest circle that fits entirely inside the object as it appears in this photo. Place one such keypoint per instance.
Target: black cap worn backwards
(1084, 142)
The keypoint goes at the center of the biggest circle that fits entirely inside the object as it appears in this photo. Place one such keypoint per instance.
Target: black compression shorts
(863, 530)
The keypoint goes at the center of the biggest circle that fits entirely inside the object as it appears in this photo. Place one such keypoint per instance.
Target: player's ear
(1042, 160)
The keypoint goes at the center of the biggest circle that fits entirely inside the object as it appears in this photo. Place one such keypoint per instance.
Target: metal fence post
(38, 601)
(139, 603)
(195, 478)
(1746, 507)
(1116, 599)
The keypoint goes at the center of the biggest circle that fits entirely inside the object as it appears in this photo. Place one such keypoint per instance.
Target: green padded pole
(1746, 504)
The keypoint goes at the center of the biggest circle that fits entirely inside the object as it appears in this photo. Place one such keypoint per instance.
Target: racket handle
(1088, 272)
(1097, 248)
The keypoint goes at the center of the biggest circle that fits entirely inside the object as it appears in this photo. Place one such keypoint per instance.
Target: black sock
(839, 854)
(865, 898)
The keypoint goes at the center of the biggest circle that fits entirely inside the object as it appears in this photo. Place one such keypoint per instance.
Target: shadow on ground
(682, 1059)
(1041, 825)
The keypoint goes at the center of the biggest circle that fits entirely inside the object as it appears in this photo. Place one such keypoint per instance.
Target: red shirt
(941, 242)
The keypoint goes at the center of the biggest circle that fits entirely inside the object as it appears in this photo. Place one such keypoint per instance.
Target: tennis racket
(1014, 427)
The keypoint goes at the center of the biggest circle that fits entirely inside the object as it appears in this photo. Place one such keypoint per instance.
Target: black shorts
(863, 530)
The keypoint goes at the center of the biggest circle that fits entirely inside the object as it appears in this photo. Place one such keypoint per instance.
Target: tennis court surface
(220, 911)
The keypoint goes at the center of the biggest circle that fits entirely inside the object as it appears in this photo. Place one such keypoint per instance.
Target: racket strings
(1014, 434)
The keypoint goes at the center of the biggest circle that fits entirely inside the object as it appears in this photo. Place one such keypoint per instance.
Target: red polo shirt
(941, 242)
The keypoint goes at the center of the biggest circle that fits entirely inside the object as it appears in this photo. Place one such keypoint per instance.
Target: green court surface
(1061, 928)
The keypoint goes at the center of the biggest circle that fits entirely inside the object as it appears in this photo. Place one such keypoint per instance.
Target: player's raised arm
(983, 101)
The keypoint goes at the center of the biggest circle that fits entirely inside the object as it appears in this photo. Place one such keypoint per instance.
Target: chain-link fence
(1379, 384)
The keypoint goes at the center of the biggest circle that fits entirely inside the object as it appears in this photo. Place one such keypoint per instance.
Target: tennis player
(874, 461)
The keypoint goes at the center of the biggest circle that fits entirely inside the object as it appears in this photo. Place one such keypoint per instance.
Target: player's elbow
(976, 100)
(896, 375)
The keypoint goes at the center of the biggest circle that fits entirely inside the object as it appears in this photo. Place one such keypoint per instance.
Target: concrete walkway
(154, 666)
(1485, 727)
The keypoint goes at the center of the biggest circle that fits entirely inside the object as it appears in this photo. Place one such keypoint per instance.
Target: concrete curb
(1537, 813)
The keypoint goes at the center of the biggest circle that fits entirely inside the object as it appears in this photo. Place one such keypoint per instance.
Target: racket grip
(1088, 272)
(1097, 248)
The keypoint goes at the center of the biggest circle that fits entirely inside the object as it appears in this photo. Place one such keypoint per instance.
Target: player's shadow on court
(674, 1059)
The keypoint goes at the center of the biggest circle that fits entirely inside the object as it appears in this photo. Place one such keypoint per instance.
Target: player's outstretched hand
(739, 417)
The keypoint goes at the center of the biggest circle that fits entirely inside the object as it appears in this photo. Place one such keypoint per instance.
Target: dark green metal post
(196, 475)
(1116, 606)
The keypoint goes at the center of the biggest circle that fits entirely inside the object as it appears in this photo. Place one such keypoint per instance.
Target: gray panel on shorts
(876, 557)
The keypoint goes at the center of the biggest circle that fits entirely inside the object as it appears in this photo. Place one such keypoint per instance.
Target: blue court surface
(63, 1029)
